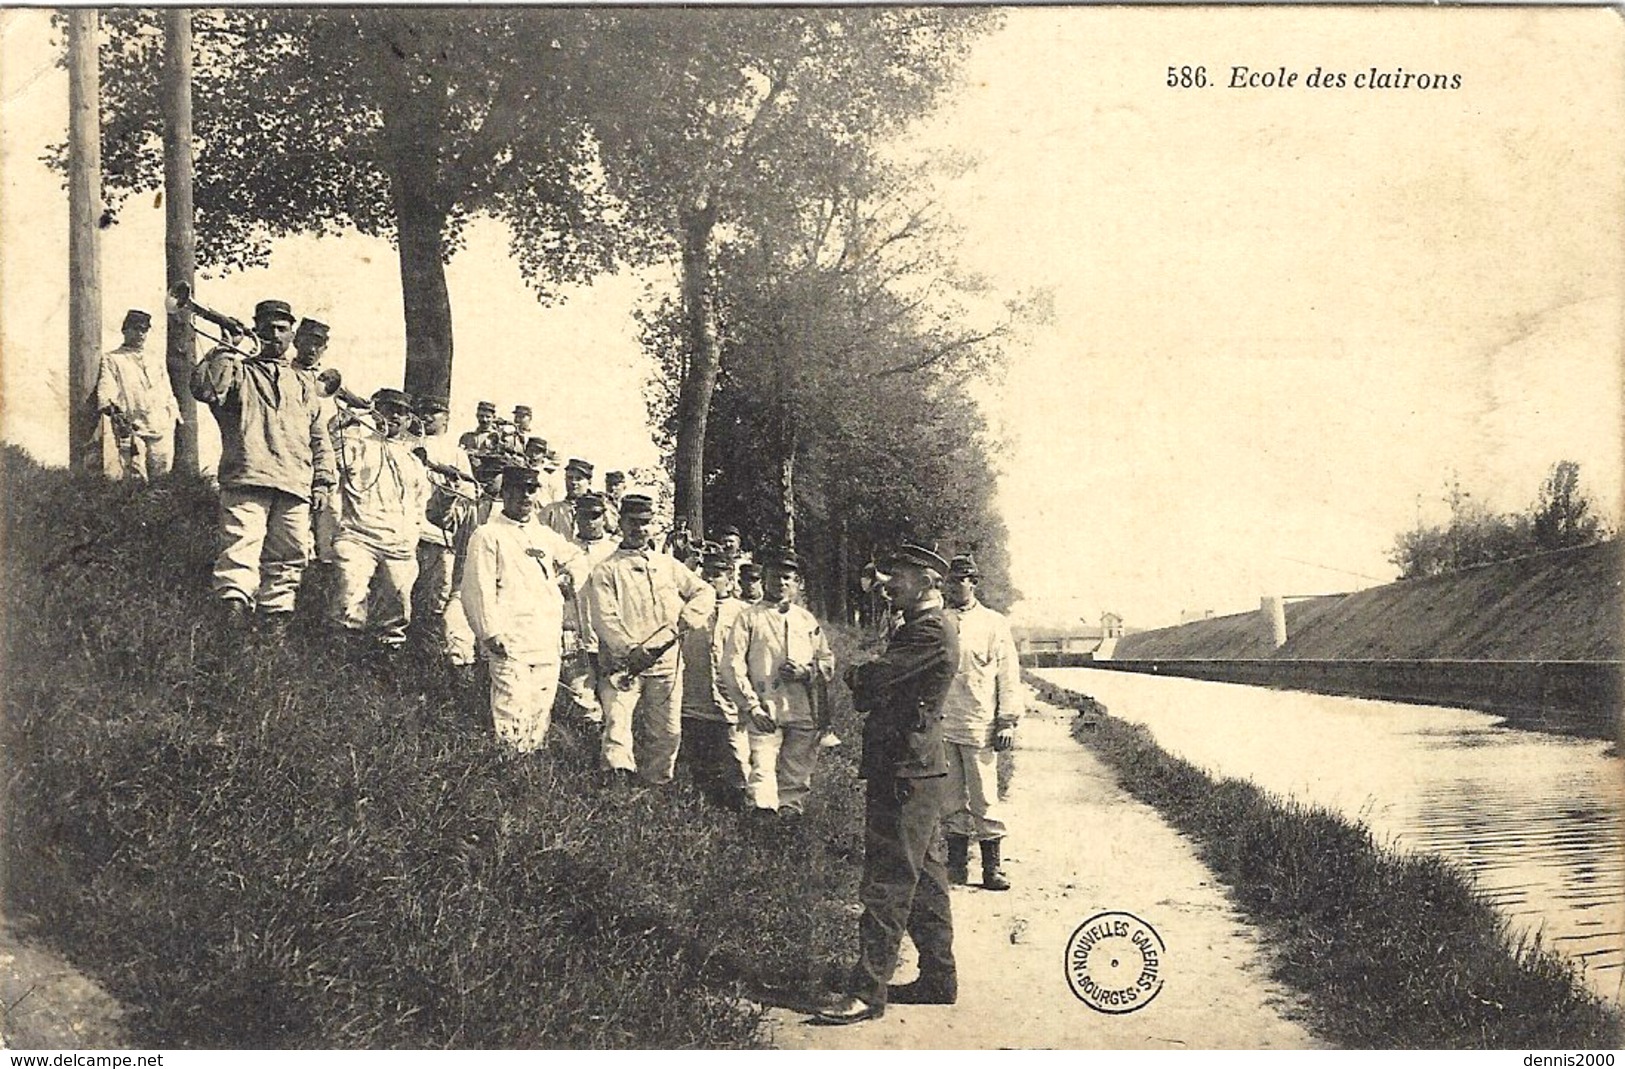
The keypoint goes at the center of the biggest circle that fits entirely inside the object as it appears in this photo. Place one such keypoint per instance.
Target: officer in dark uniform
(905, 880)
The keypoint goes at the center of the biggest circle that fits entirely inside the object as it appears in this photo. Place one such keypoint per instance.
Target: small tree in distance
(1563, 516)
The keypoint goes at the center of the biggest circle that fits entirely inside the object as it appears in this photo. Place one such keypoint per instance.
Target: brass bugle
(332, 384)
(443, 470)
(179, 299)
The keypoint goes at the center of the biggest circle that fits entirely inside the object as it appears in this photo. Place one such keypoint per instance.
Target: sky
(1283, 317)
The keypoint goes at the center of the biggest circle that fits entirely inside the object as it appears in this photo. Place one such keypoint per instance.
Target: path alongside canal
(1079, 846)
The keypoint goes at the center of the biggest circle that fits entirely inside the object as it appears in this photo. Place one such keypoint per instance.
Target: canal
(1536, 819)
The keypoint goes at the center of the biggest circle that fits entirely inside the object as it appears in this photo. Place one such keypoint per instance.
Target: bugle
(232, 331)
(332, 385)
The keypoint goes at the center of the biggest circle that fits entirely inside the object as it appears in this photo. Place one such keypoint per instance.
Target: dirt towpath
(1079, 846)
(46, 1004)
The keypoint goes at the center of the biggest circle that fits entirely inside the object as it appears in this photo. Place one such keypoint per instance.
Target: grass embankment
(1564, 605)
(1391, 950)
(300, 844)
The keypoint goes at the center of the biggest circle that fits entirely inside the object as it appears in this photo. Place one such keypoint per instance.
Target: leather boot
(992, 878)
(958, 859)
(237, 616)
(926, 991)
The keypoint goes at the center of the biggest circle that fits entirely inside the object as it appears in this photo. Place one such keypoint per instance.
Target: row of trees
(815, 307)
(842, 419)
(1562, 516)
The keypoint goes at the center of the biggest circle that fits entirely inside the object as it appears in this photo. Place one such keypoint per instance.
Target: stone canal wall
(1540, 639)
(1570, 697)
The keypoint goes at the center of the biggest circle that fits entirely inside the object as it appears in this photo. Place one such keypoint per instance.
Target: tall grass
(1391, 950)
(304, 844)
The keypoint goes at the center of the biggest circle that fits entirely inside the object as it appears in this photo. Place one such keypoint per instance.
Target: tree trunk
(421, 209)
(784, 383)
(838, 607)
(180, 239)
(419, 224)
(84, 249)
(700, 376)
(787, 489)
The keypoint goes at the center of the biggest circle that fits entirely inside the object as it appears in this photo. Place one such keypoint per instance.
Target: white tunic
(987, 686)
(762, 640)
(510, 587)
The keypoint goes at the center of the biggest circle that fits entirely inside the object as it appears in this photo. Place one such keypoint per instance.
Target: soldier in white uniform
(773, 657)
(579, 673)
(979, 717)
(513, 599)
(641, 601)
(382, 494)
(444, 532)
(715, 747)
(133, 392)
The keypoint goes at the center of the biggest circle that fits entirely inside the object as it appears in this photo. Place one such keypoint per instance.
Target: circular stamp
(1114, 962)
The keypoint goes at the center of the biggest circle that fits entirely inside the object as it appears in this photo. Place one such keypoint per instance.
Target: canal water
(1536, 819)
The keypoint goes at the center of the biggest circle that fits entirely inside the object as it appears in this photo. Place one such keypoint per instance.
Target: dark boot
(992, 878)
(236, 616)
(958, 860)
(926, 991)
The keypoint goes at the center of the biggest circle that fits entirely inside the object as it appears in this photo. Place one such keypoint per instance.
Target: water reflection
(1537, 819)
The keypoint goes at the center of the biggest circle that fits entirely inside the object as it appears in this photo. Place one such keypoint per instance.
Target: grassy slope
(1391, 950)
(301, 845)
(1565, 605)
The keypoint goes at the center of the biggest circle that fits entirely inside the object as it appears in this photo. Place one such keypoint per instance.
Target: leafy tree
(1563, 515)
(398, 122)
(737, 116)
(841, 422)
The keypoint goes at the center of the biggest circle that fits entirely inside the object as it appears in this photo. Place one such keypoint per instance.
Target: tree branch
(942, 352)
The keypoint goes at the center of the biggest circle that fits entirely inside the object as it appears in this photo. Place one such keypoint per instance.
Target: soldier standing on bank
(714, 747)
(383, 492)
(443, 534)
(276, 464)
(774, 657)
(578, 674)
(133, 392)
(905, 883)
(979, 721)
(641, 603)
(513, 599)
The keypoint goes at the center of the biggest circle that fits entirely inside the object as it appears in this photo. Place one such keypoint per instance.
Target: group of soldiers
(687, 648)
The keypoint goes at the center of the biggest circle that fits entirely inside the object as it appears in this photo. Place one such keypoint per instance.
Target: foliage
(842, 415)
(740, 119)
(293, 110)
(1446, 977)
(298, 844)
(1561, 517)
(397, 122)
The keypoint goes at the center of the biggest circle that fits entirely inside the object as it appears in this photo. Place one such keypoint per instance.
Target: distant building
(1078, 638)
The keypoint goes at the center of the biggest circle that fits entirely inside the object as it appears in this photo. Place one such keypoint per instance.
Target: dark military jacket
(902, 691)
